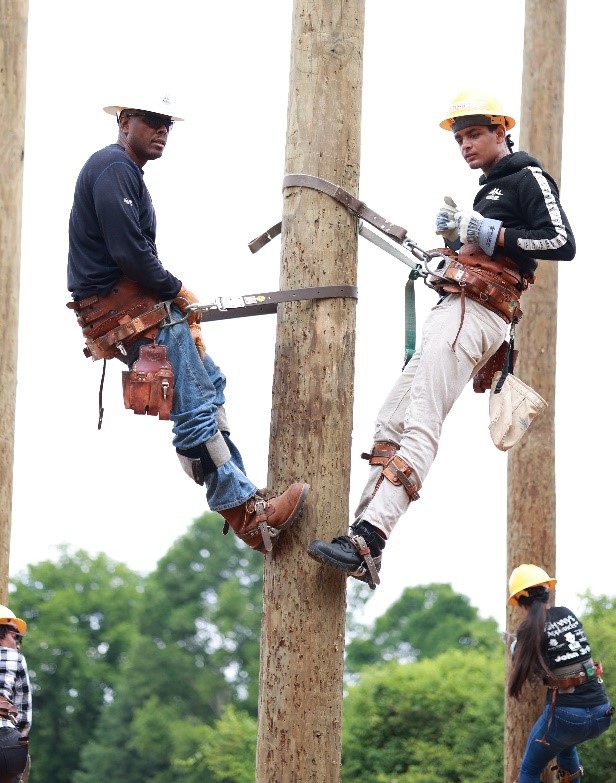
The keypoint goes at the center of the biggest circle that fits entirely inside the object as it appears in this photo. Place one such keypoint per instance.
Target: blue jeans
(198, 414)
(570, 726)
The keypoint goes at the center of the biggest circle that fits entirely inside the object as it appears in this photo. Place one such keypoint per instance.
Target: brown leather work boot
(260, 520)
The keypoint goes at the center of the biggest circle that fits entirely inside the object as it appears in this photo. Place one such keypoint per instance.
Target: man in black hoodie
(492, 254)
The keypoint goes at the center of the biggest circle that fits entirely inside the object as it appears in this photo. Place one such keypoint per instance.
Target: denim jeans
(569, 727)
(415, 409)
(13, 756)
(198, 414)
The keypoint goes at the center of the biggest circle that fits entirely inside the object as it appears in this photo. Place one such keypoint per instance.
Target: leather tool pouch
(483, 380)
(148, 386)
(7, 709)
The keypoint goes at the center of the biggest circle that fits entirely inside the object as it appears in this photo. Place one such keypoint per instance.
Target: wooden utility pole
(531, 533)
(13, 42)
(302, 640)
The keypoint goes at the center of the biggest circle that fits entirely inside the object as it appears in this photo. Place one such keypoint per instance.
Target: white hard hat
(157, 104)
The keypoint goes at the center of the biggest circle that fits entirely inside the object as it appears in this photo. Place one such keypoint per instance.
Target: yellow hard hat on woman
(7, 617)
(525, 576)
(471, 107)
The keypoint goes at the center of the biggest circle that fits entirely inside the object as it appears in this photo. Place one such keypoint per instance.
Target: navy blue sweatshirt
(526, 199)
(112, 229)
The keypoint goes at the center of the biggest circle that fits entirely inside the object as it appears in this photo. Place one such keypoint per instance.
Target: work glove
(184, 298)
(195, 333)
(446, 224)
(475, 229)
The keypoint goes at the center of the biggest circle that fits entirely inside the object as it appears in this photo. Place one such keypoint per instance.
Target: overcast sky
(121, 490)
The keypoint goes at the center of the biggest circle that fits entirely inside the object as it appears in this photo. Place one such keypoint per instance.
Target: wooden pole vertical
(531, 535)
(13, 44)
(302, 642)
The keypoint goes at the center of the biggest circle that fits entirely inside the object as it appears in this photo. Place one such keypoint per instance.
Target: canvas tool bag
(512, 410)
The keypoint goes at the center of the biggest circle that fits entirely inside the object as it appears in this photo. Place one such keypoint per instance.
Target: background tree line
(154, 679)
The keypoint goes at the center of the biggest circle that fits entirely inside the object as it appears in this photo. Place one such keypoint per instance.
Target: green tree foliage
(196, 651)
(426, 722)
(155, 680)
(80, 612)
(219, 757)
(423, 623)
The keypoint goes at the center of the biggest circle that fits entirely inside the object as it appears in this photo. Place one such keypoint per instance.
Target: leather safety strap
(257, 304)
(399, 472)
(382, 452)
(359, 542)
(354, 205)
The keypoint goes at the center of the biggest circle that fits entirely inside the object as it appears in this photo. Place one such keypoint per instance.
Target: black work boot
(358, 554)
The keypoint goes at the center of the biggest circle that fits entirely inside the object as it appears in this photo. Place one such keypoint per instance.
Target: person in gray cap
(131, 307)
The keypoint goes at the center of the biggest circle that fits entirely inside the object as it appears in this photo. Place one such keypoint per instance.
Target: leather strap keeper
(381, 452)
(126, 313)
(148, 387)
(399, 472)
(564, 683)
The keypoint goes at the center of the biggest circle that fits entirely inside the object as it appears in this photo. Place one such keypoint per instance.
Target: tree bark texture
(531, 509)
(13, 43)
(302, 642)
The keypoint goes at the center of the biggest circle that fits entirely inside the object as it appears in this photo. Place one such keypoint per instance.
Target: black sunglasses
(152, 120)
(16, 635)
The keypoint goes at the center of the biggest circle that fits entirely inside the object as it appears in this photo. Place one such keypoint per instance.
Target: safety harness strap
(354, 205)
(257, 304)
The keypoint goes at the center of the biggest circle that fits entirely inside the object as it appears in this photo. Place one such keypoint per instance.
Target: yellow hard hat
(525, 576)
(7, 617)
(471, 103)
(156, 104)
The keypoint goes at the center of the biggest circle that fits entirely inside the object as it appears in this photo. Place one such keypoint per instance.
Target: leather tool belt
(148, 386)
(590, 671)
(8, 711)
(112, 323)
(496, 283)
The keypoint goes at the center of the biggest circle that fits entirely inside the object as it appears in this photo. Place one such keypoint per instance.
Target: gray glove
(475, 229)
(446, 224)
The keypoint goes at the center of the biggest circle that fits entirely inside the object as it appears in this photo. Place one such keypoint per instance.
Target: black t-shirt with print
(565, 644)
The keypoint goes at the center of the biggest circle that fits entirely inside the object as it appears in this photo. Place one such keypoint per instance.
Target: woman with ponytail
(551, 647)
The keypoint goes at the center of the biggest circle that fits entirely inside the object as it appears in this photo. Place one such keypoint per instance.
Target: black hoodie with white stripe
(525, 198)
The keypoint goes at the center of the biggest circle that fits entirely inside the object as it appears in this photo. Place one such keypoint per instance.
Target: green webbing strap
(409, 317)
